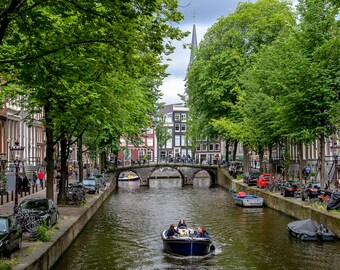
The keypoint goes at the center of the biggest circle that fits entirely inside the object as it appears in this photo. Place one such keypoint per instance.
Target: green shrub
(44, 234)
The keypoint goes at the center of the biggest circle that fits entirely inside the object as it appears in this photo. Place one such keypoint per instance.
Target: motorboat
(309, 230)
(186, 243)
(129, 177)
(248, 200)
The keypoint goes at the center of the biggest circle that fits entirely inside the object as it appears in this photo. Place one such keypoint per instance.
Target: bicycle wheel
(32, 223)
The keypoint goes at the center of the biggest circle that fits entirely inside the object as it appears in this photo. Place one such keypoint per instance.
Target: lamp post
(16, 157)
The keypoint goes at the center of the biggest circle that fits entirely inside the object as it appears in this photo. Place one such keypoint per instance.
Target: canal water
(125, 232)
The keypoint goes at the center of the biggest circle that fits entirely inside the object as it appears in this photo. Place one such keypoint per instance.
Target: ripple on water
(125, 233)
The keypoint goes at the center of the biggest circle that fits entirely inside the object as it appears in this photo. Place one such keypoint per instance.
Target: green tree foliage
(213, 86)
(162, 131)
(299, 72)
(90, 65)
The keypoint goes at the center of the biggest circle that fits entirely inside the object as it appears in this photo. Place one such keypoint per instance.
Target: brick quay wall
(294, 207)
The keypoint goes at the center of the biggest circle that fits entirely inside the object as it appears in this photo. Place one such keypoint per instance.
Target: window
(183, 117)
(184, 127)
(198, 147)
(168, 118)
(149, 155)
(211, 147)
(169, 143)
(177, 140)
(149, 131)
(177, 116)
(217, 147)
(183, 141)
(204, 147)
(177, 127)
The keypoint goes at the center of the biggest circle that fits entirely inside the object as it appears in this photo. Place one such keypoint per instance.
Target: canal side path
(43, 255)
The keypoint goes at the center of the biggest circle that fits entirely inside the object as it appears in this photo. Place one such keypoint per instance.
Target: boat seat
(183, 232)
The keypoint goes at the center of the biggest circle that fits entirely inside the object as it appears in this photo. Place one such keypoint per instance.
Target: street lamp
(16, 156)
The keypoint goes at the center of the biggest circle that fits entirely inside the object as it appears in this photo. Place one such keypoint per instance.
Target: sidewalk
(7, 208)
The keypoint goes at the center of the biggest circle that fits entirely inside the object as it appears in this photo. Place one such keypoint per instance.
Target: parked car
(10, 235)
(45, 208)
(310, 190)
(264, 180)
(251, 177)
(91, 186)
(290, 188)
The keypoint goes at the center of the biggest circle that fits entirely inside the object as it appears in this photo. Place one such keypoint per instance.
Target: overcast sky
(206, 14)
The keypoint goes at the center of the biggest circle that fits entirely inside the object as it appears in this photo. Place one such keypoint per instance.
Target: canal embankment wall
(294, 207)
(71, 222)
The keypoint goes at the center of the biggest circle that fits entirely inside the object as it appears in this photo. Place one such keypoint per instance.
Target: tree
(300, 82)
(162, 133)
(213, 87)
(74, 60)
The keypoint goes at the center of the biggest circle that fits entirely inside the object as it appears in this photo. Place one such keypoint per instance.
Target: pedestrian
(41, 178)
(76, 173)
(35, 177)
(19, 184)
(25, 184)
(144, 159)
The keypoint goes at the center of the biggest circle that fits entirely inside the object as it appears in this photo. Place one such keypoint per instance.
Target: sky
(204, 13)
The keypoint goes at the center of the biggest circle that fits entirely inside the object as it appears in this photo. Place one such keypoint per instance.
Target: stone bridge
(187, 171)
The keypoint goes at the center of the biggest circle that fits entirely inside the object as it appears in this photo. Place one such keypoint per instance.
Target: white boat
(129, 178)
(248, 200)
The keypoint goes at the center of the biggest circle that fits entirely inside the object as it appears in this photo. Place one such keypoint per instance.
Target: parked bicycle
(29, 222)
(75, 194)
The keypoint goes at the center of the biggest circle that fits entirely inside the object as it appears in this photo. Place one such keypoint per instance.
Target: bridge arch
(181, 175)
(187, 171)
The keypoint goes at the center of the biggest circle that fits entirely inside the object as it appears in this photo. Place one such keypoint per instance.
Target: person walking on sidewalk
(35, 178)
(25, 184)
(41, 178)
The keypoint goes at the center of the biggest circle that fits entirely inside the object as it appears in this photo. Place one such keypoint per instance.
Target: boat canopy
(307, 226)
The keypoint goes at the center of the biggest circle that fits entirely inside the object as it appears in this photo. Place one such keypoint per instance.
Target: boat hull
(308, 230)
(248, 201)
(134, 178)
(187, 246)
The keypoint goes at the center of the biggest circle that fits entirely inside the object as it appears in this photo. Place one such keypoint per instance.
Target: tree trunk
(235, 150)
(300, 147)
(227, 153)
(49, 154)
(262, 165)
(64, 171)
(246, 159)
(286, 161)
(80, 158)
(271, 169)
(49, 164)
(322, 165)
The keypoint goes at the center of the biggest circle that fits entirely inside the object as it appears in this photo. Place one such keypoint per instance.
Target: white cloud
(171, 87)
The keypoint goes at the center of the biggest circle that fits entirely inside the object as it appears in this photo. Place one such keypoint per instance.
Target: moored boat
(186, 243)
(309, 230)
(248, 200)
(129, 178)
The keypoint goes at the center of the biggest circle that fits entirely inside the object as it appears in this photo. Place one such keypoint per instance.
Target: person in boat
(181, 224)
(172, 231)
(201, 232)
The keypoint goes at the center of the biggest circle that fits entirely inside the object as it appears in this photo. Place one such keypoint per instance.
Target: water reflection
(125, 232)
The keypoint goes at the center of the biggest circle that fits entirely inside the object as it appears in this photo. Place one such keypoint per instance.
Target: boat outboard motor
(334, 201)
